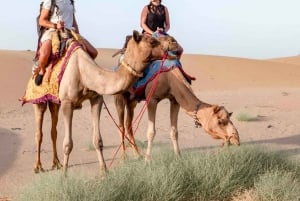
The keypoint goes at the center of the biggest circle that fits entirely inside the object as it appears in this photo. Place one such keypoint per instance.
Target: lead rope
(142, 111)
(151, 91)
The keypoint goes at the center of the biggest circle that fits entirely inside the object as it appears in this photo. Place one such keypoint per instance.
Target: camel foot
(137, 156)
(38, 169)
(147, 158)
(56, 166)
(102, 174)
(65, 169)
(124, 156)
(136, 153)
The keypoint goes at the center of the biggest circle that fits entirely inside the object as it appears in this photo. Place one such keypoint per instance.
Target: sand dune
(233, 73)
(268, 89)
(215, 72)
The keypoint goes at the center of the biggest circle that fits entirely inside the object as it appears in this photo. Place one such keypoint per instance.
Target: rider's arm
(143, 21)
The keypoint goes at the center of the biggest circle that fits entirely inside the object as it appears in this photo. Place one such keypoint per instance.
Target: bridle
(196, 120)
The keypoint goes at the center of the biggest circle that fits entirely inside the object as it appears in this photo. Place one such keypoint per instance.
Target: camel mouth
(174, 48)
(234, 141)
(230, 143)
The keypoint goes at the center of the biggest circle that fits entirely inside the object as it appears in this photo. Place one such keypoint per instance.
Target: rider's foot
(38, 79)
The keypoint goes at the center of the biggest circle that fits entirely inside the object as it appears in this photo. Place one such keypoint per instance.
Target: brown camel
(83, 79)
(172, 85)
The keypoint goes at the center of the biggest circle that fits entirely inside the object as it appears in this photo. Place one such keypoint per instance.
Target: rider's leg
(44, 54)
(91, 50)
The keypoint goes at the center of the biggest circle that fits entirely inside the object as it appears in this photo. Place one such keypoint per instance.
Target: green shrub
(278, 186)
(216, 174)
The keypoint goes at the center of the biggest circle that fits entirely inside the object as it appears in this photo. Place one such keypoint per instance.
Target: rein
(140, 115)
(151, 91)
(131, 70)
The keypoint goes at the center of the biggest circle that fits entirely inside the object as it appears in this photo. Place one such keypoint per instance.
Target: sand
(266, 89)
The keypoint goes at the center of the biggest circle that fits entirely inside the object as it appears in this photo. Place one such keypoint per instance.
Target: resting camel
(84, 80)
(172, 85)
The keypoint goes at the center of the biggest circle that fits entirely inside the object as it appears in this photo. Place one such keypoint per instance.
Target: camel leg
(54, 109)
(152, 106)
(119, 100)
(68, 142)
(174, 110)
(39, 110)
(96, 104)
(130, 113)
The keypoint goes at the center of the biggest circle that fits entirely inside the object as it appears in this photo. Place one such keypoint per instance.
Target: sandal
(38, 79)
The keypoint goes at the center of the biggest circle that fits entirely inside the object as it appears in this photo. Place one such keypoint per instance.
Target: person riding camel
(61, 18)
(155, 18)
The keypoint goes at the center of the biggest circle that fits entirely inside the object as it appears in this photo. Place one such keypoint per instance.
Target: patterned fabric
(48, 90)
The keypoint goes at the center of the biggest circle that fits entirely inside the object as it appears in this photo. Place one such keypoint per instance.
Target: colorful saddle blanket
(48, 90)
(152, 71)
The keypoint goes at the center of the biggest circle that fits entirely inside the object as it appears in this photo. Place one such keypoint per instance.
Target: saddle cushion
(152, 71)
(48, 90)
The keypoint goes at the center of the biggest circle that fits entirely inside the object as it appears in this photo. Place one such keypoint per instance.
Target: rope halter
(131, 70)
(196, 120)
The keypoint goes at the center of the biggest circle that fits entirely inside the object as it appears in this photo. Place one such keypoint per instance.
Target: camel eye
(222, 122)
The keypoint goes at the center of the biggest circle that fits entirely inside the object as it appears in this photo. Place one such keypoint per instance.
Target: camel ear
(230, 113)
(137, 36)
(216, 108)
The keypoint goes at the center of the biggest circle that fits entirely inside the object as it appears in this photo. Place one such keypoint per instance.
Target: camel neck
(184, 94)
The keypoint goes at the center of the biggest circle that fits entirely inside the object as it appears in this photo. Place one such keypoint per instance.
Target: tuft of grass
(277, 186)
(218, 174)
(246, 117)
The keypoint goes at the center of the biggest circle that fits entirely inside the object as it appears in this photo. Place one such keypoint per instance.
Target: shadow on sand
(290, 140)
(9, 145)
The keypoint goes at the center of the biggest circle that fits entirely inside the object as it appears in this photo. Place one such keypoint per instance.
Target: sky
(255, 29)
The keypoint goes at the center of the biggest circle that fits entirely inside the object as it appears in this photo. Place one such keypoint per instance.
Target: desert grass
(218, 174)
(246, 117)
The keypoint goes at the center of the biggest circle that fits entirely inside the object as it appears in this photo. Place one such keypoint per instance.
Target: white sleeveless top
(64, 12)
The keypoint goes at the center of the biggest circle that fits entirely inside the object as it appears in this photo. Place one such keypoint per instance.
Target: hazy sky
(240, 28)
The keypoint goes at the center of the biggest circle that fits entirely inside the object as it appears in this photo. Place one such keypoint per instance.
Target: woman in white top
(63, 16)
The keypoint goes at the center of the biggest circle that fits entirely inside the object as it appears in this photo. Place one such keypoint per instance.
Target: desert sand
(267, 89)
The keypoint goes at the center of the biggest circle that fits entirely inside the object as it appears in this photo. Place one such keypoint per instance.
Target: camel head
(216, 122)
(141, 50)
(169, 43)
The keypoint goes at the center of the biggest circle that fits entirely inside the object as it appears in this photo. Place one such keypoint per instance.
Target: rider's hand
(159, 30)
(60, 25)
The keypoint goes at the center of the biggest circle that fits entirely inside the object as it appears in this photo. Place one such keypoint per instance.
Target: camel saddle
(156, 67)
(48, 90)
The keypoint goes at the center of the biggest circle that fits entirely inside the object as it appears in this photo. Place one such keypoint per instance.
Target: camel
(84, 80)
(172, 85)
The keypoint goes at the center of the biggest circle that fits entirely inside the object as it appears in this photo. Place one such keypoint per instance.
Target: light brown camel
(83, 79)
(172, 85)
